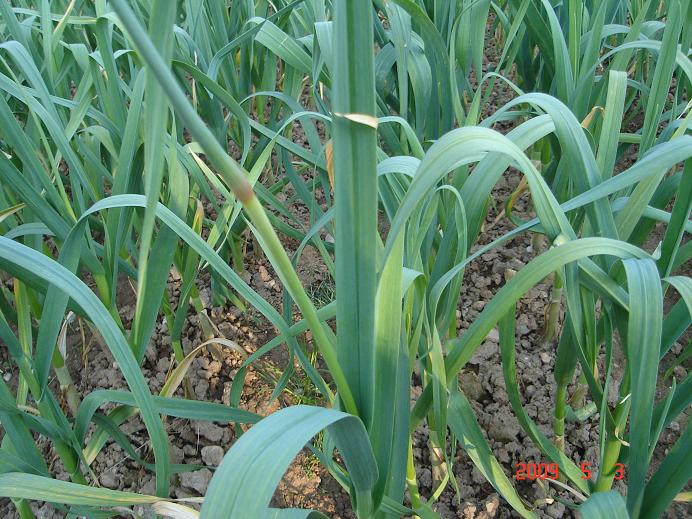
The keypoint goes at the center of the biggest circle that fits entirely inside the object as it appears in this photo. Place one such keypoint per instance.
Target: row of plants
(121, 123)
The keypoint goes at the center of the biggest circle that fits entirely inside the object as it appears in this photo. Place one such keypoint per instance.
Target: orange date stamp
(542, 471)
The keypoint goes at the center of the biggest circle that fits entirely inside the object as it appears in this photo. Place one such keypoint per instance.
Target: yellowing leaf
(367, 120)
(329, 154)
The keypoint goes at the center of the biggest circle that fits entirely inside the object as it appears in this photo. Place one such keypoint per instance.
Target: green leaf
(40, 488)
(246, 480)
(191, 409)
(643, 340)
(355, 173)
(604, 505)
(671, 477)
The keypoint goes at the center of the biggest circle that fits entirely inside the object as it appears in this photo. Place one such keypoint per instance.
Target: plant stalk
(438, 466)
(23, 509)
(67, 387)
(411, 483)
(606, 474)
(559, 416)
(553, 309)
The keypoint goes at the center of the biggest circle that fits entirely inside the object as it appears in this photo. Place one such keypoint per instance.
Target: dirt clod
(197, 480)
(210, 431)
(212, 455)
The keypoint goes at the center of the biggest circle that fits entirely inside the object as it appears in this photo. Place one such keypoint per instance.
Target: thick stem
(553, 309)
(559, 420)
(559, 417)
(68, 388)
(452, 331)
(105, 294)
(577, 400)
(440, 475)
(565, 364)
(71, 462)
(411, 482)
(610, 457)
(23, 509)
